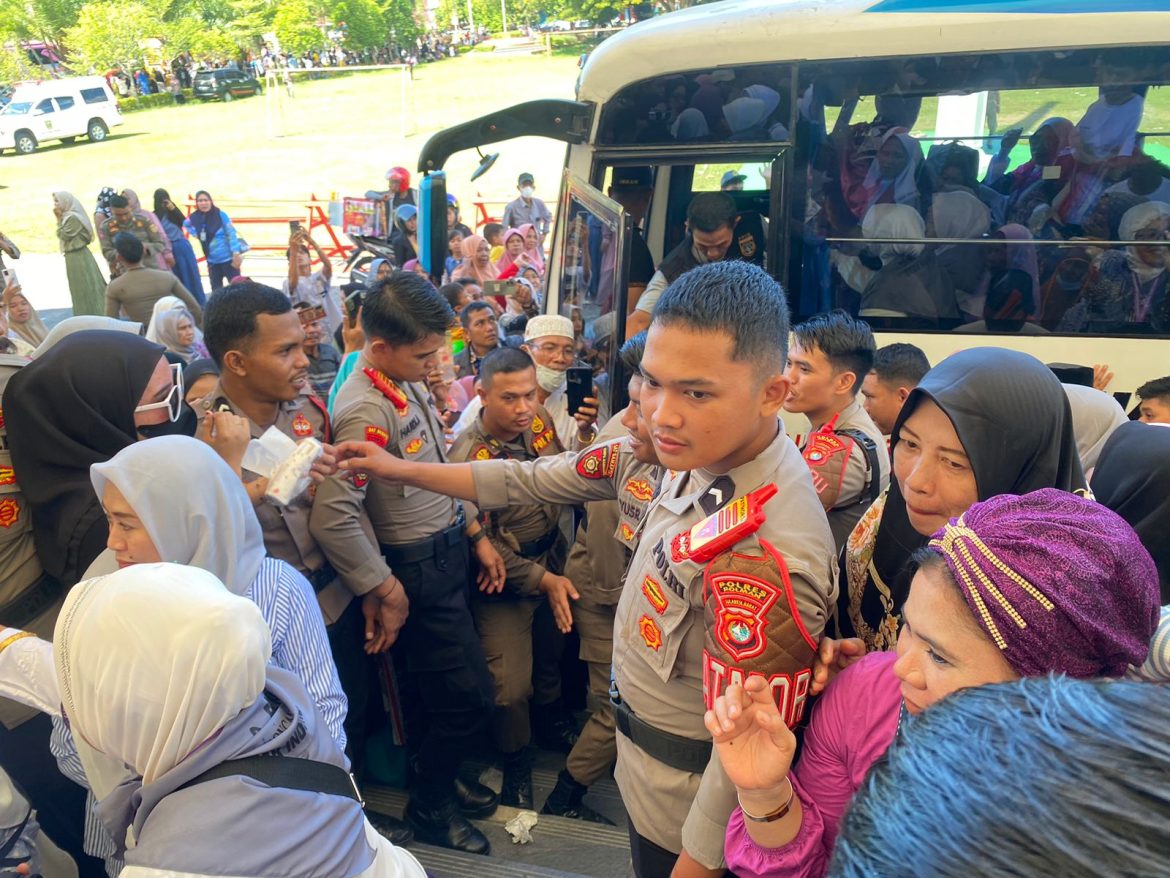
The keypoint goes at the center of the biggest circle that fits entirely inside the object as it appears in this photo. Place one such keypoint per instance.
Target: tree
(296, 27)
(106, 34)
(202, 40)
(401, 26)
(365, 26)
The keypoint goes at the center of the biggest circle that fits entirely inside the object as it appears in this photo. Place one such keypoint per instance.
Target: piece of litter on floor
(520, 827)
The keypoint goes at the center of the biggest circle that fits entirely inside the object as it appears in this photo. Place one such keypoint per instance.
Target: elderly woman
(87, 287)
(477, 263)
(1011, 588)
(175, 330)
(1127, 289)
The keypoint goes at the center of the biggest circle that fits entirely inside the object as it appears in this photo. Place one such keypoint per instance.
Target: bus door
(587, 278)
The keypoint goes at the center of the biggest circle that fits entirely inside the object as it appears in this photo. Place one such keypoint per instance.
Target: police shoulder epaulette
(724, 528)
(388, 389)
(600, 461)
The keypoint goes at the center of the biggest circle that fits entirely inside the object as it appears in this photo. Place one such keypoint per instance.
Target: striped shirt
(299, 644)
(1157, 667)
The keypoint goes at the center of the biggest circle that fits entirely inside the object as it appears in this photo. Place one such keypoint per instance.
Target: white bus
(835, 110)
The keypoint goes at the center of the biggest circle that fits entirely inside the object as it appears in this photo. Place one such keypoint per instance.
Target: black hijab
(1014, 420)
(1133, 479)
(161, 197)
(71, 408)
(206, 225)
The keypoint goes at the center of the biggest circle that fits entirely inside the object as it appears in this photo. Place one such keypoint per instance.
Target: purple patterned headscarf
(1059, 583)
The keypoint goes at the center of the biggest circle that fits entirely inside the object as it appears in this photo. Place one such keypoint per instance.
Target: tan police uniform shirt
(286, 528)
(511, 526)
(840, 469)
(660, 629)
(19, 566)
(353, 515)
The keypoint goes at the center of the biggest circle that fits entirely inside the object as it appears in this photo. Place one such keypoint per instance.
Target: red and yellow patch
(599, 463)
(388, 389)
(7, 476)
(482, 453)
(377, 435)
(640, 490)
(360, 480)
(741, 604)
(544, 440)
(414, 446)
(655, 595)
(651, 633)
(626, 531)
(301, 426)
(9, 512)
(537, 425)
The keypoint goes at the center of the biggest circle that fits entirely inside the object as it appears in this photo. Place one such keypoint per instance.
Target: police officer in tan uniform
(845, 451)
(404, 552)
(512, 426)
(622, 471)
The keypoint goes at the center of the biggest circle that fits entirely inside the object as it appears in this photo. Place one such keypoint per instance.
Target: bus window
(592, 258)
(1011, 193)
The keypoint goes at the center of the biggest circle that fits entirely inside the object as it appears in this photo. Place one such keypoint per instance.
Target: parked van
(58, 109)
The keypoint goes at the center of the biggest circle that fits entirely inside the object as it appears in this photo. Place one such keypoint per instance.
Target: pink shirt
(851, 728)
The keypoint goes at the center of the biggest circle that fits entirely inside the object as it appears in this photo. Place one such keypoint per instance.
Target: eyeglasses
(174, 401)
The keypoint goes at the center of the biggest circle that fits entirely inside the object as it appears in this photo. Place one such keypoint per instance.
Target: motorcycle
(366, 248)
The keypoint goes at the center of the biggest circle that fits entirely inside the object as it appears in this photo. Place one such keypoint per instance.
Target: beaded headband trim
(961, 546)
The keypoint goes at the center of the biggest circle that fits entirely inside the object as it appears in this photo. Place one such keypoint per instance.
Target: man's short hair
(404, 309)
(503, 361)
(632, 352)
(492, 229)
(129, 247)
(469, 312)
(711, 211)
(736, 298)
(452, 292)
(229, 318)
(1155, 389)
(900, 365)
(119, 201)
(466, 282)
(846, 342)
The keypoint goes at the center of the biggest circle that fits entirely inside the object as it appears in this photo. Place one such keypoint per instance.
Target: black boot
(565, 801)
(475, 800)
(443, 825)
(553, 727)
(392, 828)
(517, 790)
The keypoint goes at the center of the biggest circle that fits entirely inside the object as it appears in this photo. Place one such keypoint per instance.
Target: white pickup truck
(58, 109)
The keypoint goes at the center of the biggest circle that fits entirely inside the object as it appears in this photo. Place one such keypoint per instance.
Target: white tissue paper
(283, 462)
(520, 827)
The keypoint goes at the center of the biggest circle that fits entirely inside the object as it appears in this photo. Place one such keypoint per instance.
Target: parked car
(58, 109)
(582, 24)
(225, 85)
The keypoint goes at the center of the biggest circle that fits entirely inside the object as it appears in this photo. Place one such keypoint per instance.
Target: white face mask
(549, 379)
(527, 191)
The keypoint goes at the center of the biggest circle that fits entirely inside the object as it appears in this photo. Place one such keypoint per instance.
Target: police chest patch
(7, 476)
(741, 604)
(301, 426)
(414, 446)
(640, 489)
(626, 531)
(655, 595)
(599, 463)
(543, 440)
(9, 512)
(377, 435)
(747, 245)
(651, 633)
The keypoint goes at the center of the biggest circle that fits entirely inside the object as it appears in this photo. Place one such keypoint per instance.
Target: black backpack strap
(872, 463)
(5, 860)
(287, 772)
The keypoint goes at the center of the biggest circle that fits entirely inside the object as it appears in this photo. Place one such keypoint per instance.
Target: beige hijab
(70, 206)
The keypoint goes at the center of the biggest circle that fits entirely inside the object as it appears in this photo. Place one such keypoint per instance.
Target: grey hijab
(84, 322)
(193, 506)
(1095, 415)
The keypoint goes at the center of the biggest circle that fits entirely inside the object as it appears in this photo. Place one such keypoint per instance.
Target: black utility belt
(34, 600)
(536, 548)
(437, 545)
(323, 578)
(683, 754)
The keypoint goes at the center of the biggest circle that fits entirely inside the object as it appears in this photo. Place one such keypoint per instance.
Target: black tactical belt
(536, 548)
(323, 578)
(435, 546)
(38, 597)
(684, 754)
(288, 772)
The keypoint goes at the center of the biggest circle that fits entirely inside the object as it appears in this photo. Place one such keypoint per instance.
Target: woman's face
(168, 204)
(203, 203)
(515, 245)
(932, 469)
(482, 253)
(157, 388)
(952, 175)
(1152, 255)
(384, 271)
(941, 648)
(128, 539)
(995, 256)
(185, 332)
(1043, 145)
(578, 322)
(530, 240)
(199, 388)
(533, 277)
(19, 309)
(892, 159)
(412, 224)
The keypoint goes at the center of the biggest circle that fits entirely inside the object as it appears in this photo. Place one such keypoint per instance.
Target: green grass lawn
(339, 134)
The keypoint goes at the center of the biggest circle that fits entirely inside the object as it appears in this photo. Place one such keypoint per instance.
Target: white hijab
(155, 659)
(1095, 415)
(959, 214)
(894, 221)
(166, 303)
(195, 509)
(1139, 217)
(84, 322)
